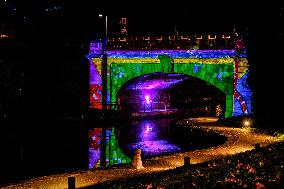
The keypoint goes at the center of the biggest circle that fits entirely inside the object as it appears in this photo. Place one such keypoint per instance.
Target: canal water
(154, 136)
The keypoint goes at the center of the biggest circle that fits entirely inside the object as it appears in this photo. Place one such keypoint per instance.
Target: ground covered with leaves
(261, 167)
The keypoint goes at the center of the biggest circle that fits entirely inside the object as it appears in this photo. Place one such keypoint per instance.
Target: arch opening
(171, 92)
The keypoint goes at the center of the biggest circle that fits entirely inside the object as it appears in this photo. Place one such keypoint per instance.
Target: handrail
(204, 41)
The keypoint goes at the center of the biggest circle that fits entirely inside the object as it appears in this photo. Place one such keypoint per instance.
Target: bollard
(137, 160)
(71, 183)
(186, 161)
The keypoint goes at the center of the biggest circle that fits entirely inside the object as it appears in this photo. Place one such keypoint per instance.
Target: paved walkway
(239, 140)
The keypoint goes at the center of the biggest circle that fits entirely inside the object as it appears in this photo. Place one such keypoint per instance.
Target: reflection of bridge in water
(135, 80)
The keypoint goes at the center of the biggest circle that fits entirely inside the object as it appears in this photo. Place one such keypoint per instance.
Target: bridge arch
(217, 67)
(171, 91)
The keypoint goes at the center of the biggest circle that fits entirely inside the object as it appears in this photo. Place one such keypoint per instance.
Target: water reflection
(148, 133)
(114, 155)
(152, 136)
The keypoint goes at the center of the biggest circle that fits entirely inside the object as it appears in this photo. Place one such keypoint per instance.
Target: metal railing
(193, 41)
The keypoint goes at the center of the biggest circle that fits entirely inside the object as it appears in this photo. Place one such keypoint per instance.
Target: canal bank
(238, 140)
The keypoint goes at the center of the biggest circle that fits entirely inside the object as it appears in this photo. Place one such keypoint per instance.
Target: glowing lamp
(148, 128)
(148, 100)
(246, 123)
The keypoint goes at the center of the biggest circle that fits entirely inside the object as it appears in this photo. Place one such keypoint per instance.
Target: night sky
(142, 16)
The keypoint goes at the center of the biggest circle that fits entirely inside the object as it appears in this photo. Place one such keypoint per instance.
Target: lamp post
(104, 66)
(104, 93)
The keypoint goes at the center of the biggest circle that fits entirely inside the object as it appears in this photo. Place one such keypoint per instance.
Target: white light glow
(246, 123)
(148, 100)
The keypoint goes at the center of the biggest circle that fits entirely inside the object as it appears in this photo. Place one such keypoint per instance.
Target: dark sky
(143, 16)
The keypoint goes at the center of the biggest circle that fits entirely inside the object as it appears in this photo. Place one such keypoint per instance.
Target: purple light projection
(158, 84)
(148, 128)
(148, 100)
(151, 139)
(151, 87)
(157, 81)
(148, 132)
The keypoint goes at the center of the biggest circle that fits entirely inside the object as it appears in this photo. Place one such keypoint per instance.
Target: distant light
(100, 15)
(209, 37)
(4, 36)
(148, 100)
(246, 123)
(148, 129)
(226, 37)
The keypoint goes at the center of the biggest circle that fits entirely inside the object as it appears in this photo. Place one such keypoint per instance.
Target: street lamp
(104, 35)
(104, 65)
(104, 92)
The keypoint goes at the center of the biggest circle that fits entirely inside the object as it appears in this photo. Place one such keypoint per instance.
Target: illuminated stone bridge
(225, 69)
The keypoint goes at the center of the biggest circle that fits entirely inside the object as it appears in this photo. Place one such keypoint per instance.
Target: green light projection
(116, 156)
(220, 75)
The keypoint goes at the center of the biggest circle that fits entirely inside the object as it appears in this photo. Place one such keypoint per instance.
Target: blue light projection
(245, 99)
(171, 53)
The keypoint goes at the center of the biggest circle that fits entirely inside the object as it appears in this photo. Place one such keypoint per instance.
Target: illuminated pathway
(238, 140)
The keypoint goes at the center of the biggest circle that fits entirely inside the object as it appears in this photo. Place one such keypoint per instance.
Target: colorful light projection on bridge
(172, 53)
(113, 152)
(220, 68)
